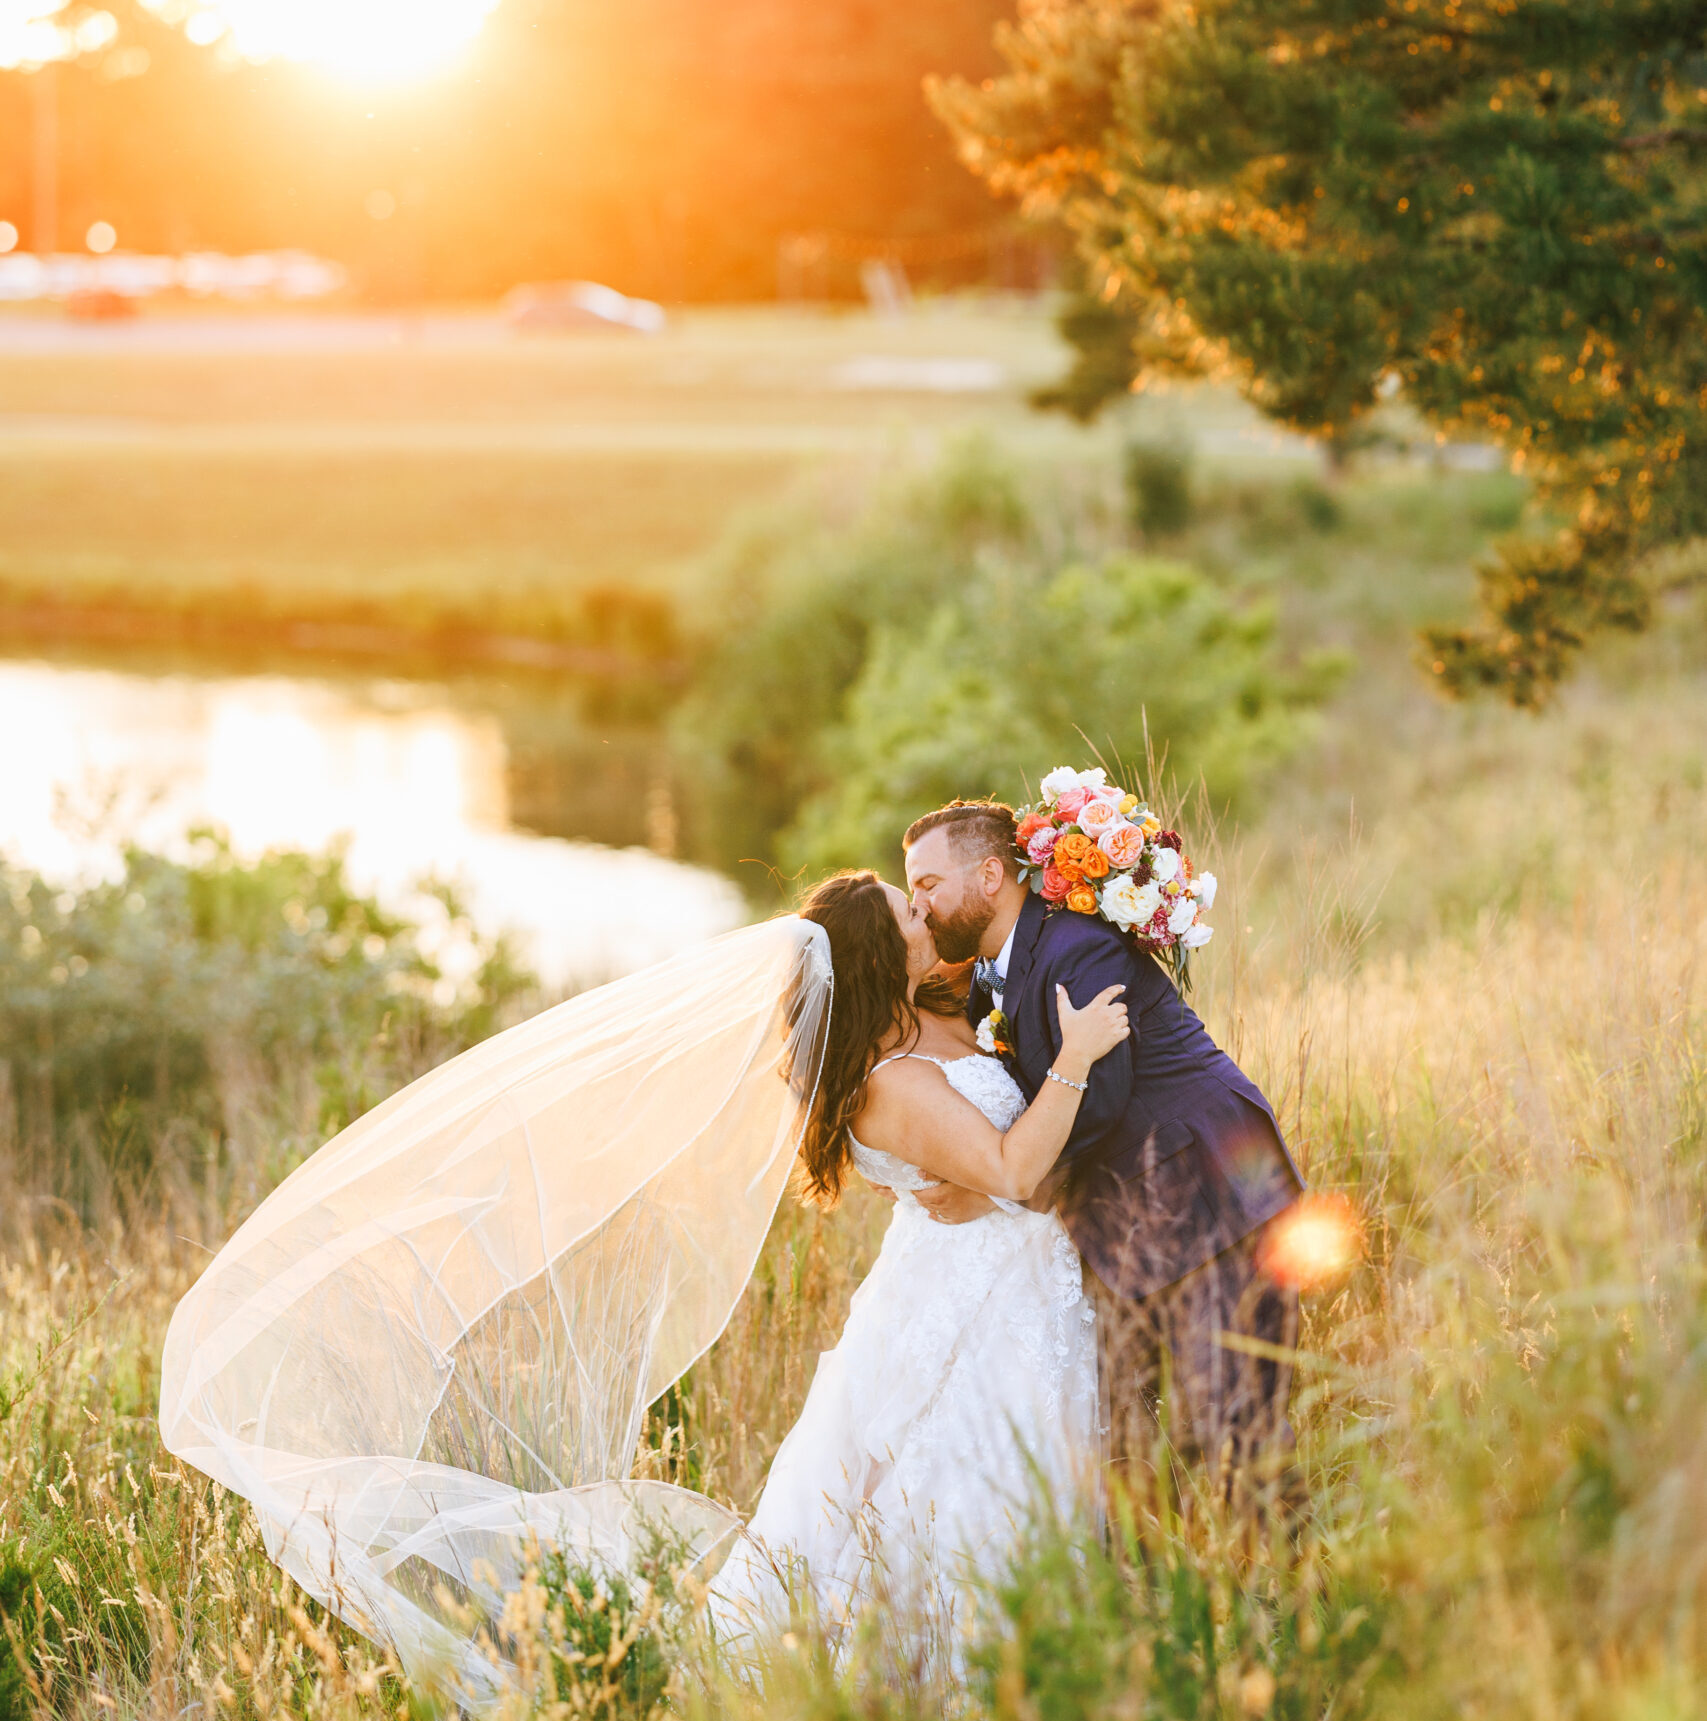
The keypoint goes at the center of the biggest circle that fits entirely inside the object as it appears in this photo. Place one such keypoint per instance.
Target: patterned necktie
(984, 972)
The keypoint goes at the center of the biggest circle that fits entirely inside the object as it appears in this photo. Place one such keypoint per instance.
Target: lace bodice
(984, 1081)
(965, 1379)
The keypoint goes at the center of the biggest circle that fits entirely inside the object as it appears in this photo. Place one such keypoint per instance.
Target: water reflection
(413, 784)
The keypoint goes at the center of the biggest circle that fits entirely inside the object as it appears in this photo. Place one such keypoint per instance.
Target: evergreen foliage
(1494, 203)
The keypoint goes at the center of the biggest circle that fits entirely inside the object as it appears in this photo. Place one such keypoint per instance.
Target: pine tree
(1496, 203)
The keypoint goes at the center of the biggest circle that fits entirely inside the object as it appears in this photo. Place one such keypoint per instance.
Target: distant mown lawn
(289, 467)
(506, 539)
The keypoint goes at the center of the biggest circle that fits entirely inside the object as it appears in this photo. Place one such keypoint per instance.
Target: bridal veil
(435, 1342)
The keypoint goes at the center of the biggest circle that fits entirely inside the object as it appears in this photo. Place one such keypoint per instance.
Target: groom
(1175, 1168)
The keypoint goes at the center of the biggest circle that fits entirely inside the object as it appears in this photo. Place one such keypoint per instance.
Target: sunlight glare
(28, 34)
(365, 39)
(1315, 1242)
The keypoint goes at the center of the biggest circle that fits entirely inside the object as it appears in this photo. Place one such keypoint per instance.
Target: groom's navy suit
(1176, 1164)
(1175, 1154)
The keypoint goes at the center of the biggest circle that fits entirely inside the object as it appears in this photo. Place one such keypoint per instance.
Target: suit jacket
(1175, 1154)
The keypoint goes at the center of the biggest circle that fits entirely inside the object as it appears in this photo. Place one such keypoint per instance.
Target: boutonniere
(993, 1035)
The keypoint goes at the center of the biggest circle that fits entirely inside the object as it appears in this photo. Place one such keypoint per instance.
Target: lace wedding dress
(964, 1385)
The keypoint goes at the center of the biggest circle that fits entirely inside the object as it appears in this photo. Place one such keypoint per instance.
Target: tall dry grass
(1482, 1016)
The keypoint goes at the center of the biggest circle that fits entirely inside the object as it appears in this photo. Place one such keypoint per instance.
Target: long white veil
(437, 1339)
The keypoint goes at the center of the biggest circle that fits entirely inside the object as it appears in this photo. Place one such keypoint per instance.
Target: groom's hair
(976, 830)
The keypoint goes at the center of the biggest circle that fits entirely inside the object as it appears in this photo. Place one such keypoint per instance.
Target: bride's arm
(915, 1115)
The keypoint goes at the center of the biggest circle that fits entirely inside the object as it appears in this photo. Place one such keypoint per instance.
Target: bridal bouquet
(1090, 847)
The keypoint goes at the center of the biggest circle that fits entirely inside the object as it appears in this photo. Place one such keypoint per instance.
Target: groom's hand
(949, 1204)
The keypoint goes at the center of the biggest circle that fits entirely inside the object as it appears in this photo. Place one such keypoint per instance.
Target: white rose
(1182, 914)
(1058, 782)
(1095, 778)
(1149, 900)
(986, 1037)
(1205, 886)
(1122, 901)
(1195, 936)
(1164, 865)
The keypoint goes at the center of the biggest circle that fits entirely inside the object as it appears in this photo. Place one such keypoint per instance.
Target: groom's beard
(958, 936)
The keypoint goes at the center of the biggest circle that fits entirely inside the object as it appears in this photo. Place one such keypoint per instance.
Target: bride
(431, 1349)
(965, 1379)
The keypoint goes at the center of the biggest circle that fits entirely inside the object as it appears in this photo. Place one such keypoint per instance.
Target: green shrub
(1158, 488)
(1025, 669)
(613, 1644)
(797, 619)
(1317, 506)
(948, 645)
(36, 1607)
(147, 1020)
(1082, 1629)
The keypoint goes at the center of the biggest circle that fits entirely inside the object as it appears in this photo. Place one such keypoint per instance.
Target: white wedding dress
(431, 1349)
(963, 1388)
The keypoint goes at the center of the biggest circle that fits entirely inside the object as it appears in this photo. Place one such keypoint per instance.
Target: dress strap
(895, 1057)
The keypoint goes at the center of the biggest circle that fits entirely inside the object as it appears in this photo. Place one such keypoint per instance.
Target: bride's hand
(1098, 1028)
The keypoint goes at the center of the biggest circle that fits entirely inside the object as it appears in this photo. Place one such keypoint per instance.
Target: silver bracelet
(1078, 1087)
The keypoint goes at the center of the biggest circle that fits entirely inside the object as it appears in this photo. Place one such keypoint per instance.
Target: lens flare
(1314, 1243)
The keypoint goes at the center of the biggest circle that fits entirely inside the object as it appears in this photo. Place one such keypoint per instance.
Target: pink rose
(1123, 843)
(1055, 884)
(1096, 815)
(1041, 846)
(1070, 804)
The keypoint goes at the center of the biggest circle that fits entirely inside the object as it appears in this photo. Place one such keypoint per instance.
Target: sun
(383, 40)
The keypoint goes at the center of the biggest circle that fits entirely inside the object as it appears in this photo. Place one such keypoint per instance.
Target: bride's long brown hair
(868, 956)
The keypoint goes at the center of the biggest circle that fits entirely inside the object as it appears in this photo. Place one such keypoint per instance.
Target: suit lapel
(1031, 917)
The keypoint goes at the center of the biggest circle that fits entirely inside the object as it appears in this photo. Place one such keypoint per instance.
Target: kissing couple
(432, 1351)
(1084, 1188)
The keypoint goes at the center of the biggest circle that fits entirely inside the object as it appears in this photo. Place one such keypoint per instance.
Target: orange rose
(1029, 826)
(1123, 844)
(1071, 851)
(1082, 899)
(1096, 864)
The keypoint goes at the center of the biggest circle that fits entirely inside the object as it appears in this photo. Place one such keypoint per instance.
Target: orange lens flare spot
(1314, 1243)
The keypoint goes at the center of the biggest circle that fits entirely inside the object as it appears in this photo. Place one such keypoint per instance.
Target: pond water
(551, 832)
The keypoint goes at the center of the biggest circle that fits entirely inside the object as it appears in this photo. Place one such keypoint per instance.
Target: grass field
(1465, 952)
(1499, 1411)
(447, 469)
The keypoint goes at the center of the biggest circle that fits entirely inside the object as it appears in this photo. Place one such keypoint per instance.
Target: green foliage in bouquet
(1493, 203)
